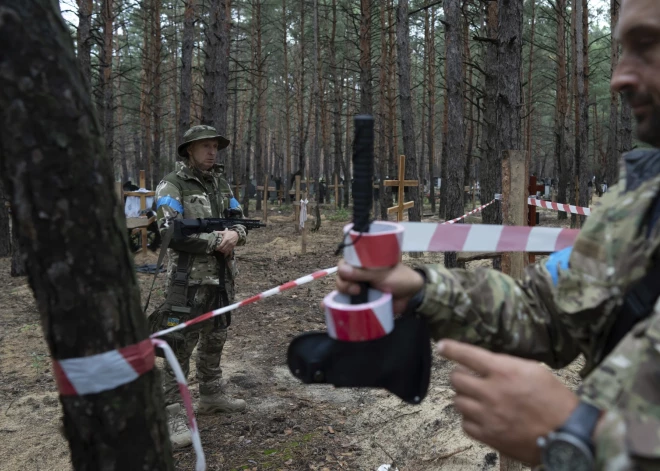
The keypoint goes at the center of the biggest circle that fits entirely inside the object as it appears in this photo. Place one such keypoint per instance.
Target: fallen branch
(448, 455)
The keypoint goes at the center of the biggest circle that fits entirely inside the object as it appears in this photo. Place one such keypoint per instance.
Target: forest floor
(287, 425)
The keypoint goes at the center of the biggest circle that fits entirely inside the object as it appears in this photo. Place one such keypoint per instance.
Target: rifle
(186, 227)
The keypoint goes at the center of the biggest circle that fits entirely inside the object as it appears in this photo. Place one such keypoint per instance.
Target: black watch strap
(418, 298)
(582, 423)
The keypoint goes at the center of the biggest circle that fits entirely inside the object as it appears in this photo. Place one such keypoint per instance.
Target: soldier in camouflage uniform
(198, 189)
(563, 308)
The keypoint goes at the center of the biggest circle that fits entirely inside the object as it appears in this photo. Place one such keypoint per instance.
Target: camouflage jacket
(187, 193)
(564, 308)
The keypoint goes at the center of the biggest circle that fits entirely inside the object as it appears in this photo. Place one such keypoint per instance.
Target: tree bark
(491, 177)
(612, 164)
(187, 45)
(455, 133)
(5, 231)
(287, 97)
(105, 75)
(582, 137)
(530, 90)
(564, 169)
(405, 99)
(18, 267)
(366, 98)
(336, 103)
(78, 260)
(156, 107)
(261, 103)
(84, 39)
(430, 135)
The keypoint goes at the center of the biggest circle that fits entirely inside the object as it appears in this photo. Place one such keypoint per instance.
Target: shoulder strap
(637, 306)
(167, 237)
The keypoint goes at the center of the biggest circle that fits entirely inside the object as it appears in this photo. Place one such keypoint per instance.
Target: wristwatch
(571, 447)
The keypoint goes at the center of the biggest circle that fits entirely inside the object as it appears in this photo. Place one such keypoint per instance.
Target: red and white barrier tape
(106, 371)
(567, 208)
(200, 464)
(427, 237)
(266, 294)
(476, 210)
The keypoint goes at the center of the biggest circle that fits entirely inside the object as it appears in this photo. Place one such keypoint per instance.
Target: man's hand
(510, 402)
(402, 281)
(229, 241)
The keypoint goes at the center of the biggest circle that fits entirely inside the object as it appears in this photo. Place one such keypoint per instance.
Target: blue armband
(171, 202)
(233, 203)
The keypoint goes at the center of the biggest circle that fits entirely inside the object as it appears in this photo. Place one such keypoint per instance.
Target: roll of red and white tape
(358, 322)
(379, 248)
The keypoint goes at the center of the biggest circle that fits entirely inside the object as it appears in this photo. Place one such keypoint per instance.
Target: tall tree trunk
(236, 171)
(85, 229)
(385, 134)
(455, 133)
(186, 67)
(366, 98)
(509, 99)
(84, 39)
(348, 143)
(430, 135)
(336, 102)
(156, 107)
(407, 124)
(287, 97)
(582, 137)
(301, 95)
(612, 163)
(445, 129)
(145, 100)
(564, 169)
(107, 115)
(261, 97)
(530, 90)
(491, 176)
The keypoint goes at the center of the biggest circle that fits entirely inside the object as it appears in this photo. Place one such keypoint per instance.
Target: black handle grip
(363, 172)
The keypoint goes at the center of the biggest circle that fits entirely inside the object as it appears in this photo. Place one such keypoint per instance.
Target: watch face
(565, 455)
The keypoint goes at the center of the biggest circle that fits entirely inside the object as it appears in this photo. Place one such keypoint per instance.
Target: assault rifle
(186, 227)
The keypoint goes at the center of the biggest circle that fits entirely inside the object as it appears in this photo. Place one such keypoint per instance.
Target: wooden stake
(401, 183)
(265, 218)
(296, 213)
(514, 205)
(304, 229)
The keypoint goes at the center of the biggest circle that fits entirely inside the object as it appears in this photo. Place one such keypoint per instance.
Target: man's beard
(648, 127)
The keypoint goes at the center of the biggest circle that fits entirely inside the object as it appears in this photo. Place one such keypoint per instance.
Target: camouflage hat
(198, 133)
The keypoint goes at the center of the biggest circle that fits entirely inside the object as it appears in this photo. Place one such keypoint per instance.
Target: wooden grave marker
(266, 190)
(139, 224)
(401, 183)
(336, 187)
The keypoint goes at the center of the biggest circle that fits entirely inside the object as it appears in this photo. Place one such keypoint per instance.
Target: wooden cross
(266, 189)
(140, 224)
(336, 187)
(401, 183)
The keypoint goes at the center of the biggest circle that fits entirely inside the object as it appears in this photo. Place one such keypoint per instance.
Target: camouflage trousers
(209, 339)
